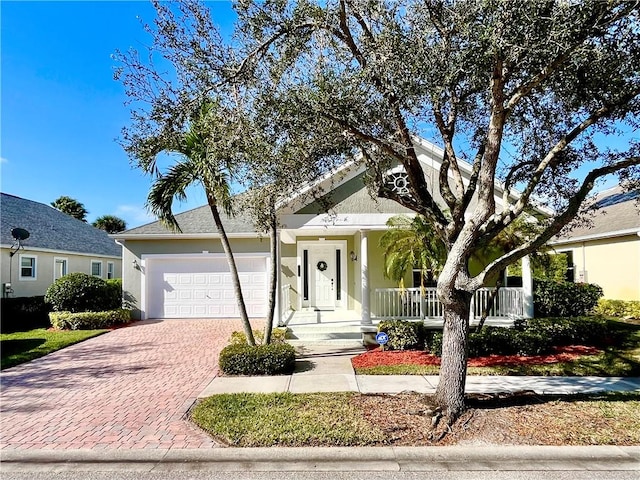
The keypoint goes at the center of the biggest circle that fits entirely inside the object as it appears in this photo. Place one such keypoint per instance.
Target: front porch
(414, 304)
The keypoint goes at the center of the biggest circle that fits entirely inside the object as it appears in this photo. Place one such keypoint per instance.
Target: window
(59, 267)
(305, 274)
(96, 268)
(428, 279)
(28, 267)
(570, 273)
(338, 276)
(111, 270)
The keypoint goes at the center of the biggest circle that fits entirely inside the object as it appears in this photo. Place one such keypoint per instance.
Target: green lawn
(285, 419)
(20, 347)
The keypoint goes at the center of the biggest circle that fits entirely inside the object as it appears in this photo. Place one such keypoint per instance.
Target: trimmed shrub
(618, 308)
(564, 299)
(278, 335)
(403, 334)
(593, 331)
(433, 342)
(19, 314)
(89, 320)
(243, 359)
(114, 296)
(79, 292)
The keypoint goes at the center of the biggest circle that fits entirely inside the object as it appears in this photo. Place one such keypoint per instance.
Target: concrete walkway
(328, 369)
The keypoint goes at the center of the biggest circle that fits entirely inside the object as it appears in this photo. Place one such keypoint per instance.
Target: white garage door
(201, 287)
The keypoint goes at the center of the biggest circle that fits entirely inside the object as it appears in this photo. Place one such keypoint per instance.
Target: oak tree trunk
(449, 394)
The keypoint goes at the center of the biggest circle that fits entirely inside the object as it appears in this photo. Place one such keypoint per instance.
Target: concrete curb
(471, 458)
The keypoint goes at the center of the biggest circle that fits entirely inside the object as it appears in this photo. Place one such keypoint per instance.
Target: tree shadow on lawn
(490, 401)
(17, 346)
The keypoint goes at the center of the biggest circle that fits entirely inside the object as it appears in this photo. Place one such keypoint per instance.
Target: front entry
(323, 277)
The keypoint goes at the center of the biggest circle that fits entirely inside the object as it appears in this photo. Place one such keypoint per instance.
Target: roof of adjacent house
(51, 229)
(617, 212)
(198, 221)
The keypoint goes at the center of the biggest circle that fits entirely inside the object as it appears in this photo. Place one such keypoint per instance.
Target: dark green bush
(19, 314)
(403, 334)
(272, 359)
(89, 320)
(564, 299)
(593, 331)
(433, 342)
(79, 292)
(114, 295)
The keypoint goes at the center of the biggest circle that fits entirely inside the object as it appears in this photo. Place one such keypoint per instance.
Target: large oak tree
(539, 95)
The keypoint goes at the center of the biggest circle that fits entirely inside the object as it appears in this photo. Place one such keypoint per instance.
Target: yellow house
(607, 252)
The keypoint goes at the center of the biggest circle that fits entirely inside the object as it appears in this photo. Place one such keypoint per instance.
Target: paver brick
(130, 388)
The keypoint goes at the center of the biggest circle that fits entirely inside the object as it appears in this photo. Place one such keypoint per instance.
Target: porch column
(364, 276)
(527, 288)
(277, 314)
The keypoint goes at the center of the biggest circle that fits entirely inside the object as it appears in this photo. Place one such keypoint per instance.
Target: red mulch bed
(377, 357)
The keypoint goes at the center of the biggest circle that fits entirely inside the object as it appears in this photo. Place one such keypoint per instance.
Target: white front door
(323, 275)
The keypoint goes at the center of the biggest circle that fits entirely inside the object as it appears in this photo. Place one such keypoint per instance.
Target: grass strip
(285, 419)
(21, 347)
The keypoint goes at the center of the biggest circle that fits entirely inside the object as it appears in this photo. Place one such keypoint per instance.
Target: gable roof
(618, 213)
(50, 229)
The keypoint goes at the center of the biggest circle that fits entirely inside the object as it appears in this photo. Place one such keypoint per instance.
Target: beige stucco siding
(612, 263)
(45, 262)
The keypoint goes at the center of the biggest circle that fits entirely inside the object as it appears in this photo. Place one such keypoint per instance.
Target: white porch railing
(410, 303)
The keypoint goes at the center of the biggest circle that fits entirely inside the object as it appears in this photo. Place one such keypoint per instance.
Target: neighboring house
(327, 262)
(607, 252)
(58, 244)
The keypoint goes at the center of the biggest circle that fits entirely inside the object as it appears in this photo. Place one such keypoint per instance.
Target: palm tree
(206, 157)
(110, 224)
(411, 243)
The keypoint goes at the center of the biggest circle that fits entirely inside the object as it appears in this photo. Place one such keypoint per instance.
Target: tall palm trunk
(273, 280)
(246, 325)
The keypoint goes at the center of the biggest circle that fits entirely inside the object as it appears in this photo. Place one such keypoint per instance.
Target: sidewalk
(328, 369)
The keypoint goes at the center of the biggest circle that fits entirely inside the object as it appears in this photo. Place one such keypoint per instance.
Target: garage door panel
(202, 287)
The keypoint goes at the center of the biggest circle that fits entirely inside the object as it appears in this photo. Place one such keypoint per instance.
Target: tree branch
(556, 225)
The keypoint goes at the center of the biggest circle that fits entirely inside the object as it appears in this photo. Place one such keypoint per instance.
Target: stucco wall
(614, 264)
(45, 262)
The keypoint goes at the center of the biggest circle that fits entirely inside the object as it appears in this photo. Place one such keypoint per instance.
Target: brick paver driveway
(129, 388)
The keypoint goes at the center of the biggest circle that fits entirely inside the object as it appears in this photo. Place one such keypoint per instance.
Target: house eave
(596, 236)
(27, 248)
(179, 236)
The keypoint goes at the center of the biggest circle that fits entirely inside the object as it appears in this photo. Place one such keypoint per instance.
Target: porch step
(324, 332)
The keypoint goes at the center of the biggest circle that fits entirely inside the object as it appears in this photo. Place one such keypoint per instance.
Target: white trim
(596, 236)
(343, 303)
(145, 258)
(64, 252)
(66, 266)
(93, 262)
(34, 267)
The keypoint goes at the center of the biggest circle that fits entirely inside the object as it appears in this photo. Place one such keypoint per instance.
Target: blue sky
(61, 109)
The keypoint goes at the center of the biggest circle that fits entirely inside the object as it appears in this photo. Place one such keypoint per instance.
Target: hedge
(19, 314)
(564, 299)
(89, 320)
(243, 359)
(618, 308)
